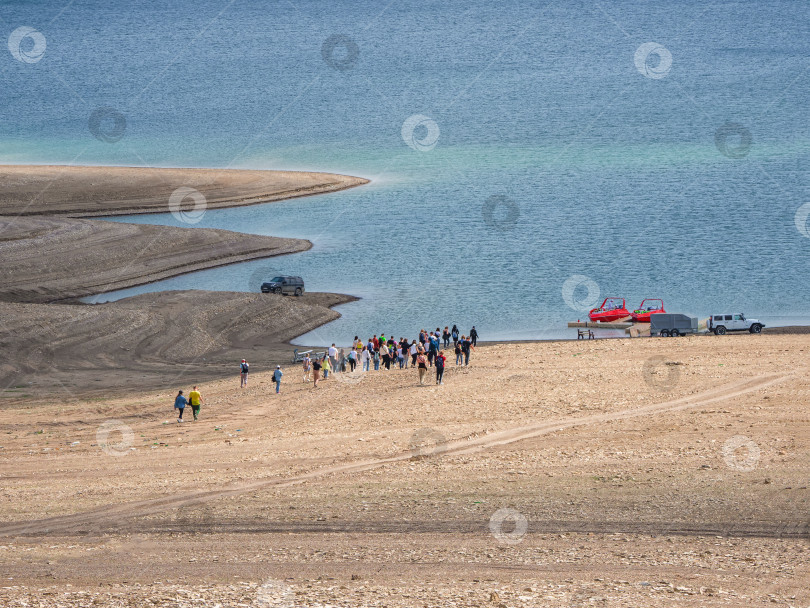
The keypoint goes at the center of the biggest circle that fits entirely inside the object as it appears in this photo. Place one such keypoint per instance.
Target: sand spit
(50, 252)
(93, 191)
(45, 259)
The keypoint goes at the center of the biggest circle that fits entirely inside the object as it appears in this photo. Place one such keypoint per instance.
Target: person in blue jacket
(180, 403)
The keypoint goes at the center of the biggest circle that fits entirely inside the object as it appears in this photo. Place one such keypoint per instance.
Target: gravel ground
(635, 472)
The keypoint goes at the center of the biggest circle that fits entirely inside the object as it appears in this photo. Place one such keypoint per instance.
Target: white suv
(720, 324)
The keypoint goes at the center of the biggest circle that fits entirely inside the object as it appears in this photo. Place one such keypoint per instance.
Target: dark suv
(284, 285)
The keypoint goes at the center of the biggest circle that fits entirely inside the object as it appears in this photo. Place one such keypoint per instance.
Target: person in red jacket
(440, 359)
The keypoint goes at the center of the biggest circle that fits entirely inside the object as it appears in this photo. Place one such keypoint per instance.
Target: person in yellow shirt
(195, 401)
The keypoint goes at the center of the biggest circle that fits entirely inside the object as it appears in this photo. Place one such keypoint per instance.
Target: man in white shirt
(333, 357)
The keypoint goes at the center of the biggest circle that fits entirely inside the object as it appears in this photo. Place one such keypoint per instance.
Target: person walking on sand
(352, 359)
(446, 336)
(180, 403)
(333, 359)
(473, 336)
(406, 352)
(433, 347)
(277, 378)
(386, 356)
(454, 334)
(421, 366)
(307, 368)
(243, 374)
(414, 350)
(458, 353)
(440, 359)
(316, 372)
(376, 356)
(195, 400)
(365, 358)
(466, 347)
(327, 367)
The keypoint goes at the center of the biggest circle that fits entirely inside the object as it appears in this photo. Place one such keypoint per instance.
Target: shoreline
(53, 225)
(53, 255)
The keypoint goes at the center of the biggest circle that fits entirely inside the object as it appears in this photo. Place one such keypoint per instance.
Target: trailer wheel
(756, 328)
(664, 333)
(720, 330)
(674, 333)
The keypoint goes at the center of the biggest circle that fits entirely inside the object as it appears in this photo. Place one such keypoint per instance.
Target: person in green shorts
(195, 401)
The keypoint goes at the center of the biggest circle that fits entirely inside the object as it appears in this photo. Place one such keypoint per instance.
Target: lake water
(526, 161)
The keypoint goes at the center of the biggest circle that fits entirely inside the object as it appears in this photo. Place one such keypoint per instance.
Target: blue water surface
(547, 144)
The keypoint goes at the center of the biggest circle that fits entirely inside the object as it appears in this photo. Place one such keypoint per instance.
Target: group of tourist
(424, 353)
(381, 352)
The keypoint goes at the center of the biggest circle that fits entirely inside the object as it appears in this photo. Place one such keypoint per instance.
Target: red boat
(612, 309)
(648, 307)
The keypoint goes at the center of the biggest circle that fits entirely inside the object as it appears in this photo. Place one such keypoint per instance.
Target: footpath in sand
(50, 252)
(610, 473)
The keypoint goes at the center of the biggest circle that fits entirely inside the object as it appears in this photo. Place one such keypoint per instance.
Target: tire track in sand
(115, 513)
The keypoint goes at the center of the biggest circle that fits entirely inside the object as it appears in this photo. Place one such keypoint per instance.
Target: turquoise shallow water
(546, 151)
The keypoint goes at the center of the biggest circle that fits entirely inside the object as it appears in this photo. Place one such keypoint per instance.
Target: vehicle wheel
(756, 328)
(720, 331)
(674, 333)
(664, 333)
(298, 291)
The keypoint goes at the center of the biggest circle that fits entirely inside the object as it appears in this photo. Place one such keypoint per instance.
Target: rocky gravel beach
(634, 472)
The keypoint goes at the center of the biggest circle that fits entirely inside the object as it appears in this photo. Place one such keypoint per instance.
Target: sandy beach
(643, 472)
